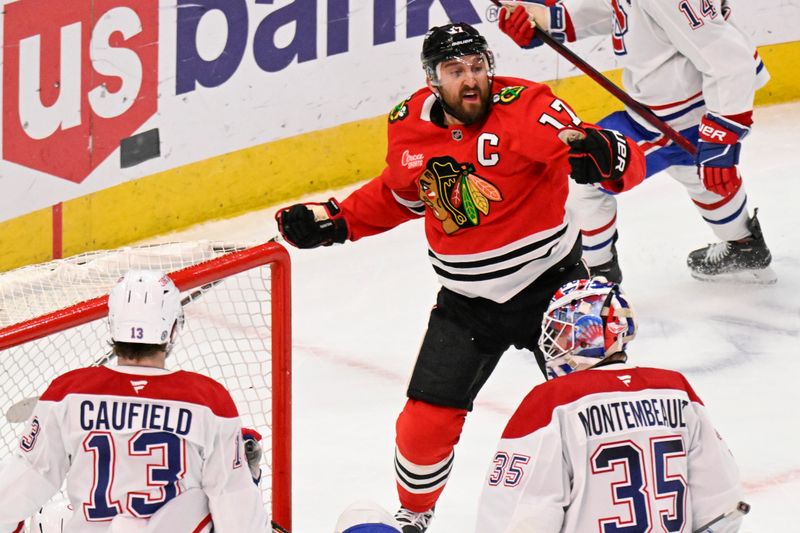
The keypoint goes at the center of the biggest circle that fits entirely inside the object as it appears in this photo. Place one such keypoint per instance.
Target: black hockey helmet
(450, 41)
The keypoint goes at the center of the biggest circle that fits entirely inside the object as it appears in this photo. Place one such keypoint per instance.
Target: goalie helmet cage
(238, 297)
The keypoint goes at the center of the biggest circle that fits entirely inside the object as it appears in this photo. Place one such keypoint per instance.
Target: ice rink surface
(360, 310)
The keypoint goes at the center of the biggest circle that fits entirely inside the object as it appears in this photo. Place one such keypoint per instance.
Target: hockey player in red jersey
(141, 448)
(603, 445)
(481, 158)
(698, 72)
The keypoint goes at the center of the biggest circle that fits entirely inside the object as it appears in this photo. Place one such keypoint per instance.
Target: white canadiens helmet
(587, 320)
(52, 518)
(144, 307)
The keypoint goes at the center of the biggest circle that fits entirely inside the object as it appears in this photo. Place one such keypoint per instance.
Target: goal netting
(237, 331)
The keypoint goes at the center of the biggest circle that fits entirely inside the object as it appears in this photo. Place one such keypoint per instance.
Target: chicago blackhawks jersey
(613, 448)
(492, 193)
(680, 57)
(132, 442)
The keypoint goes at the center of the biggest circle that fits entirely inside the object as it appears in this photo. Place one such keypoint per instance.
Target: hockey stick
(609, 86)
(22, 410)
(741, 509)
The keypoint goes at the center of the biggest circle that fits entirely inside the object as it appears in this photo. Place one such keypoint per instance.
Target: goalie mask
(452, 41)
(587, 320)
(144, 307)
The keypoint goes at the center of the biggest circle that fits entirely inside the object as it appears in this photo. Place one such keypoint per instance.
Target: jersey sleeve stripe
(416, 207)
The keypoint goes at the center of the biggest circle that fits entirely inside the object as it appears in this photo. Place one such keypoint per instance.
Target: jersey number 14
(707, 8)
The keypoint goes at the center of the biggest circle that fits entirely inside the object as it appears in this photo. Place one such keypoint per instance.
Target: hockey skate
(746, 262)
(411, 522)
(610, 269)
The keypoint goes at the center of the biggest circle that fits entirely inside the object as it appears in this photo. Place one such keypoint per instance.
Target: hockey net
(237, 331)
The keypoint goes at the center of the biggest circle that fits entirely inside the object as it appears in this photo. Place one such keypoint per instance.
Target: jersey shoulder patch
(411, 105)
(28, 441)
(508, 95)
(509, 89)
(400, 111)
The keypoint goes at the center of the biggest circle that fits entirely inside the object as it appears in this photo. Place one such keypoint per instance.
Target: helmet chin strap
(173, 336)
(616, 357)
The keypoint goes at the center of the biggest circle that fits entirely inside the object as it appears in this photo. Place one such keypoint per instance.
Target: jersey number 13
(163, 473)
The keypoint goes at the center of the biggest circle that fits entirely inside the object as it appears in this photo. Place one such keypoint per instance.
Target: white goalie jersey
(614, 448)
(680, 57)
(156, 449)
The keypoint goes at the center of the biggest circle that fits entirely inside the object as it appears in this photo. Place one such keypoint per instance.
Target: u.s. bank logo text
(78, 76)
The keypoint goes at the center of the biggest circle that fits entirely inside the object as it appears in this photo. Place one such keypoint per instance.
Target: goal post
(237, 301)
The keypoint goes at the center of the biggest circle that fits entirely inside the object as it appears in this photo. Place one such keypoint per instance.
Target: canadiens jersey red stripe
(536, 410)
(102, 381)
(674, 104)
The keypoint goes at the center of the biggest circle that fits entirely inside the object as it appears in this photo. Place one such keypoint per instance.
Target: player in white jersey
(602, 445)
(687, 62)
(141, 448)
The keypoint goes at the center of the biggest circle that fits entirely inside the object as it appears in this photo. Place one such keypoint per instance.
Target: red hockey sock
(426, 435)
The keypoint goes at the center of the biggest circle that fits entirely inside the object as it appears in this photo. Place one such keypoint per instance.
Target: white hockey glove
(253, 452)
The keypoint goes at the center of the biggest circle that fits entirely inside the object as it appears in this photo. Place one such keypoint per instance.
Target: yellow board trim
(276, 172)
(784, 85)
(223, 186)
(588, 100)
(26, 239)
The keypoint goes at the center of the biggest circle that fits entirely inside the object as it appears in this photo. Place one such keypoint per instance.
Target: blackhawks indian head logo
(455, 194)
(400, 111)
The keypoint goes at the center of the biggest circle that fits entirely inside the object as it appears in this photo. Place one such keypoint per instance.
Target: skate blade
(763, 276)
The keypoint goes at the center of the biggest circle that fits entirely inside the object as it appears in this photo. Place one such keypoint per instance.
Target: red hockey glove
(601, 155)
(718, 151)
(518, 26)
(253, 452)
(518, 21)
(312, 224)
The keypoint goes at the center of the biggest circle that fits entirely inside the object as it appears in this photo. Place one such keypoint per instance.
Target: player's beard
(466, 110)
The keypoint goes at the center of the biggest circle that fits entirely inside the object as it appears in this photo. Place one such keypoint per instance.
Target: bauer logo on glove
(718, 151)
(596, 155)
